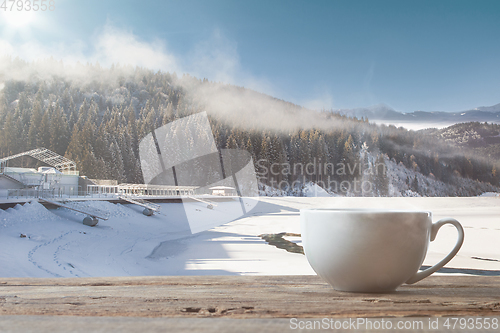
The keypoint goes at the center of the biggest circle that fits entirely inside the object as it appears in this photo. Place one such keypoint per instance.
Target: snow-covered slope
(57, 244)
(429, 186)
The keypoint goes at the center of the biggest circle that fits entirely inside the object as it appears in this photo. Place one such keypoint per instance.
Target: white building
(58, 179)
(223, 191)
(26, 181)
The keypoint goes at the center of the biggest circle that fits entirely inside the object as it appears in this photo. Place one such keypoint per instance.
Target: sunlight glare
(17, 19)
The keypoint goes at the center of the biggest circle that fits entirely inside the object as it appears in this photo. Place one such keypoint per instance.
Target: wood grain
(244, 297)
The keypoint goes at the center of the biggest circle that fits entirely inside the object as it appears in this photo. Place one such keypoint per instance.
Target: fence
(39, 193)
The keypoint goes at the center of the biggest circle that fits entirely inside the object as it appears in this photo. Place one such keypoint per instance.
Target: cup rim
(367, 211)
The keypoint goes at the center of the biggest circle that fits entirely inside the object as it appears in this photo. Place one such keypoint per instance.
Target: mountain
(383, 113)
(494, 108)
(476, 138)
(97, 117)
(375, 112)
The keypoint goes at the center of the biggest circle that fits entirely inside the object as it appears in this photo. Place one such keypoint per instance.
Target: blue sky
(411, 55)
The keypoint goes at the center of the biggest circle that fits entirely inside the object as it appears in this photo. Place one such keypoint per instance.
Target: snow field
(57, 244)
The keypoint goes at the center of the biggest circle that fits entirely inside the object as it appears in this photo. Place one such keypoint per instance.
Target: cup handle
(434, 230)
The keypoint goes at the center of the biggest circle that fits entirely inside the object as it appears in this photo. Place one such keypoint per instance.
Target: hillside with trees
(97, 116)
(482, 139)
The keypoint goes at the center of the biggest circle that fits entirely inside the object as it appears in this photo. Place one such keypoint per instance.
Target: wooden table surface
(244, 297)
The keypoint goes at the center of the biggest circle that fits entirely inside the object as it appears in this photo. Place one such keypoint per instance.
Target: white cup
(371, 250)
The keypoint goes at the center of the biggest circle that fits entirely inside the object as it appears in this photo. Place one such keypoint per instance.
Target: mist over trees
(98, 120)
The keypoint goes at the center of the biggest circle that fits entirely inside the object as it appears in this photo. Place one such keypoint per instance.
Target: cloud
(110, 46)
(248, 109)
(215, 58)
(6, 47)
(218, 60)
(114, 45)
(322, 101)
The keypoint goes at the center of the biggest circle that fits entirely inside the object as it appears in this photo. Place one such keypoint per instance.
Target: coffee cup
(367, 250)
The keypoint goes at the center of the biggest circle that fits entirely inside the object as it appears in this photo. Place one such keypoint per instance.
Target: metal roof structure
(47, 156)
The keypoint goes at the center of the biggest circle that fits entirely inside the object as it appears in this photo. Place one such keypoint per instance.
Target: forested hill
(97, 116)
(481, 139)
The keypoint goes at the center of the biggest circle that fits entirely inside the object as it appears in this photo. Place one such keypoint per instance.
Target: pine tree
(414, 184)
(74, 151)
(59, 131)
(34, 129)
(168, 114)
(280, 159)
(118, 171)
(232, 142)
(9, 135)
(349, 160)
(264, 157)
(15, 129)
(132, 131)
(381, 179)
(249, 147)
(494, 175)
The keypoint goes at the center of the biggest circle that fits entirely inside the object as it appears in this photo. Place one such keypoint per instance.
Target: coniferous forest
(96, 117)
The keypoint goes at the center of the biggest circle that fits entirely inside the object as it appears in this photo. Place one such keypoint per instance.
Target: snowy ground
(57, 244)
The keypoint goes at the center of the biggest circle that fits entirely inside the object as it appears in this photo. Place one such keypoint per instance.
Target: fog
(115, 53)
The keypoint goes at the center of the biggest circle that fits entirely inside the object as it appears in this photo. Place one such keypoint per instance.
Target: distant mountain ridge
(382, 112)
(494, 108)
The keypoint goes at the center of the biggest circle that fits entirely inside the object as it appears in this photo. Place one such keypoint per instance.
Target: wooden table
(239, 297)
